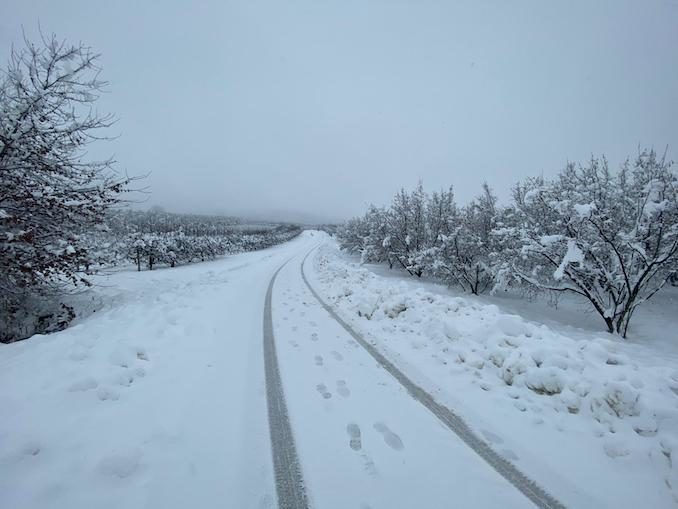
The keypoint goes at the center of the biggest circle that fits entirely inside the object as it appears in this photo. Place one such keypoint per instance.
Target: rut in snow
(289, 481)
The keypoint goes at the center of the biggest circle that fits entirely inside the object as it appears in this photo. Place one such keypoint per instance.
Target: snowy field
(155, 400)
(158, 398)
(591, 417)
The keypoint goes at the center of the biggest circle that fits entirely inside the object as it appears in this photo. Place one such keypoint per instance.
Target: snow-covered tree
(351, 235)
(369, 236)
(467, 256)
(50, 193)
(609, 237)
(151, 239)
(441, 216)
(407, 228)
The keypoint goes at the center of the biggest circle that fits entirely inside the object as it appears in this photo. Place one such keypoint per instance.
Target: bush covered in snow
(610, 237)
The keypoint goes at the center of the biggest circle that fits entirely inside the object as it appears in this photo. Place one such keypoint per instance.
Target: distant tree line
(609, 237)
(151, 239)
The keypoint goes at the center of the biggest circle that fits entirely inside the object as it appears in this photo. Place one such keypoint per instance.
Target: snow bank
(589, 396)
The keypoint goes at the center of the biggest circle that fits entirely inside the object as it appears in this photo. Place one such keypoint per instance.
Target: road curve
(289, 481)
(447, 417)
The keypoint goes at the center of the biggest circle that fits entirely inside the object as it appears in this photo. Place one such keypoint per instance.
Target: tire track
(289, 481)
(452, 421)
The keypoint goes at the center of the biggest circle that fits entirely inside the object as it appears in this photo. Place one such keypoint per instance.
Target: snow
(573, 255)
(362, 440)
(547, 240)
(652, 208)
(155, 397)
(154, 400)
(584, 209)
(531, 195)
(587, 415)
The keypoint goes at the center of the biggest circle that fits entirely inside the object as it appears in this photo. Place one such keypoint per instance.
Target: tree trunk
(610, 324)
(624, 320)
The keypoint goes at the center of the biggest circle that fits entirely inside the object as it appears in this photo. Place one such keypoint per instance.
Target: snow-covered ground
(363, 441)
(158, 398)
(592, 418)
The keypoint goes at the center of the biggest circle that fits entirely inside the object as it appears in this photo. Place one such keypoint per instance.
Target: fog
(309, 110)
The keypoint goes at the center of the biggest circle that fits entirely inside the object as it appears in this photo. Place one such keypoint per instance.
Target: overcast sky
(320, 107)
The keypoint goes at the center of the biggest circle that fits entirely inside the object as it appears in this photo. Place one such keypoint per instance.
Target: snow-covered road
(363, 440)
(159, 399)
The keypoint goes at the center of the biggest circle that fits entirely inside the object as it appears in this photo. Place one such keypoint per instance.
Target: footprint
(294, 344)
(322, 389)
(318, 360)
(342, 389)
(295, 328)
(119, 359)
(337, 355)
(491, 437)
(314, 336)
(106, 394)
(125, 379)
(353, 431)
(369, 466)
(391, 439)
(142, 355)
(312, 324)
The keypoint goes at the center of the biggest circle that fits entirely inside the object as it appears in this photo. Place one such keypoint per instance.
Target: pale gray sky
(319, 107)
